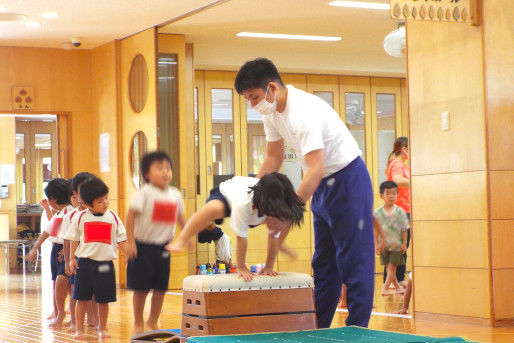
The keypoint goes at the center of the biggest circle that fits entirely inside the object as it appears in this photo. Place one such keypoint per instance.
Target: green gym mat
(344, 334)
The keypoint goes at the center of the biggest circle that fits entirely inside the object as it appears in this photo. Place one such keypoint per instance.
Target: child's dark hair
(274, 196)
(91, 189)
(387, 185)
(59, 190)
(150, 158)
(257, 74)
(79, 178)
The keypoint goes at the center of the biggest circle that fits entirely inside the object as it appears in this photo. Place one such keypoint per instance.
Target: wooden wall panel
(142, 43)
(458, 244)
(454, 196)
(8, 205)
(61, 81)
(445, 76)
(499, 73)
(502, 194)
(454, 291)
(503, 294)
(502, 240)
(104, 108)
(462, 148)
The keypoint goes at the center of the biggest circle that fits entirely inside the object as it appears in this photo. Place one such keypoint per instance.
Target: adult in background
(398, 171)
(336, 178)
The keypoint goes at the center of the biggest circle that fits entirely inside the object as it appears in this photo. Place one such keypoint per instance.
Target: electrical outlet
(445, 121)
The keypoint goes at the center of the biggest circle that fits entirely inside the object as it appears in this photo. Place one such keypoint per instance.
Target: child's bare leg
(199, 221)
(73, 308)
(138, 301)
(52, 316)
(80, 313)
(155, 309)
(394, 280)
(92, 313)
(61, 290)
(103, 313)
(389, 279)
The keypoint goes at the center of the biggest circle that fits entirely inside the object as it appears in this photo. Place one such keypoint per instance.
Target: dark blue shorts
(215, 194)
(95, 278)
(56, 266)
(150, 269)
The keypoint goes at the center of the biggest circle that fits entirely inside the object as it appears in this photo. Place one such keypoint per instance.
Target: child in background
(58, 193)
(153, 213)
(94, 237)
(249, 202)
(394, 224)
(79, 206)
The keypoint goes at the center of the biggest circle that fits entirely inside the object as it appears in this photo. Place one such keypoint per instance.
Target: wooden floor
(26, 302)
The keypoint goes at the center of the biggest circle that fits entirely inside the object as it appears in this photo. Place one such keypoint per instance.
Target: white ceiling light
(359, 4)
(32, 24)
(2, 8)
(286, 36)
(50, 15)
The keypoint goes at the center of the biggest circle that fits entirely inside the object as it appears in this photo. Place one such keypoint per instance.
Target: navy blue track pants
(342, 207)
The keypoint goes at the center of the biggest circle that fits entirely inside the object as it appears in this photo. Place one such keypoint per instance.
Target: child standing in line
(249, 202)
(58, 194)
(79, 206)
(394, 224)
(94, 237)
(153, 213)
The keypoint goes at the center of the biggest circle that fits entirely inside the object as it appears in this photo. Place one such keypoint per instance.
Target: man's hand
(268, 271)
(243, 272)
(403, 248)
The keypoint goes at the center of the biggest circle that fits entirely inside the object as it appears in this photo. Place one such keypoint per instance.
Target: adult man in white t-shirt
(336, 178)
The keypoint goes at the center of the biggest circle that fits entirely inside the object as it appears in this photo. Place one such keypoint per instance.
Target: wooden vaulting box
(223, 304)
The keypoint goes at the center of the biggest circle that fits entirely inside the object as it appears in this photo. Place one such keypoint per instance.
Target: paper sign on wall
(7, 174)
(104, 153)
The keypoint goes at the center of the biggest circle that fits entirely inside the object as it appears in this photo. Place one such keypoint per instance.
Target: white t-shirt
(308, 123)
(66, 222)
(54, 227)
(242, 213)
(97, 235)
(157, 211)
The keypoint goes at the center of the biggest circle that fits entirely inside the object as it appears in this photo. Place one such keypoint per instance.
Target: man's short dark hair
(387, 185)
(150, 158)
(257, 74)
(59, 190)
(79, 178)
(91, 189)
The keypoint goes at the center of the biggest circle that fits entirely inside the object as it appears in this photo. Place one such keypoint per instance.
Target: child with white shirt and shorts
(79, 206)
(95, 234)
(249, 202)
(153, 213)
(58, 194)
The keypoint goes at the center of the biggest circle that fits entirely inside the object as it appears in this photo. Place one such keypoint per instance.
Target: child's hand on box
(243, 272)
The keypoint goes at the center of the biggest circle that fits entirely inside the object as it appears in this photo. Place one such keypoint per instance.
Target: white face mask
(264, 107)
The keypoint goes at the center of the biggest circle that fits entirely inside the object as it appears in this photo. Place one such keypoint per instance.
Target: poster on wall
(22, 98)
(104, 153)
(7, 174)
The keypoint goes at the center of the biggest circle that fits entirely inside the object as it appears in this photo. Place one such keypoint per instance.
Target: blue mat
(338, 335)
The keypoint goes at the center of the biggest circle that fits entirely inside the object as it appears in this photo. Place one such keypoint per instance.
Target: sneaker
(223, 250)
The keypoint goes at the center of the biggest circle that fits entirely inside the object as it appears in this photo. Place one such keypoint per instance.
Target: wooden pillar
(462, 178)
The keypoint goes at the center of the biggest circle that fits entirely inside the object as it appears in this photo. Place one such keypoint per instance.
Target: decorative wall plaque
(458, 11)
(22, 98)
